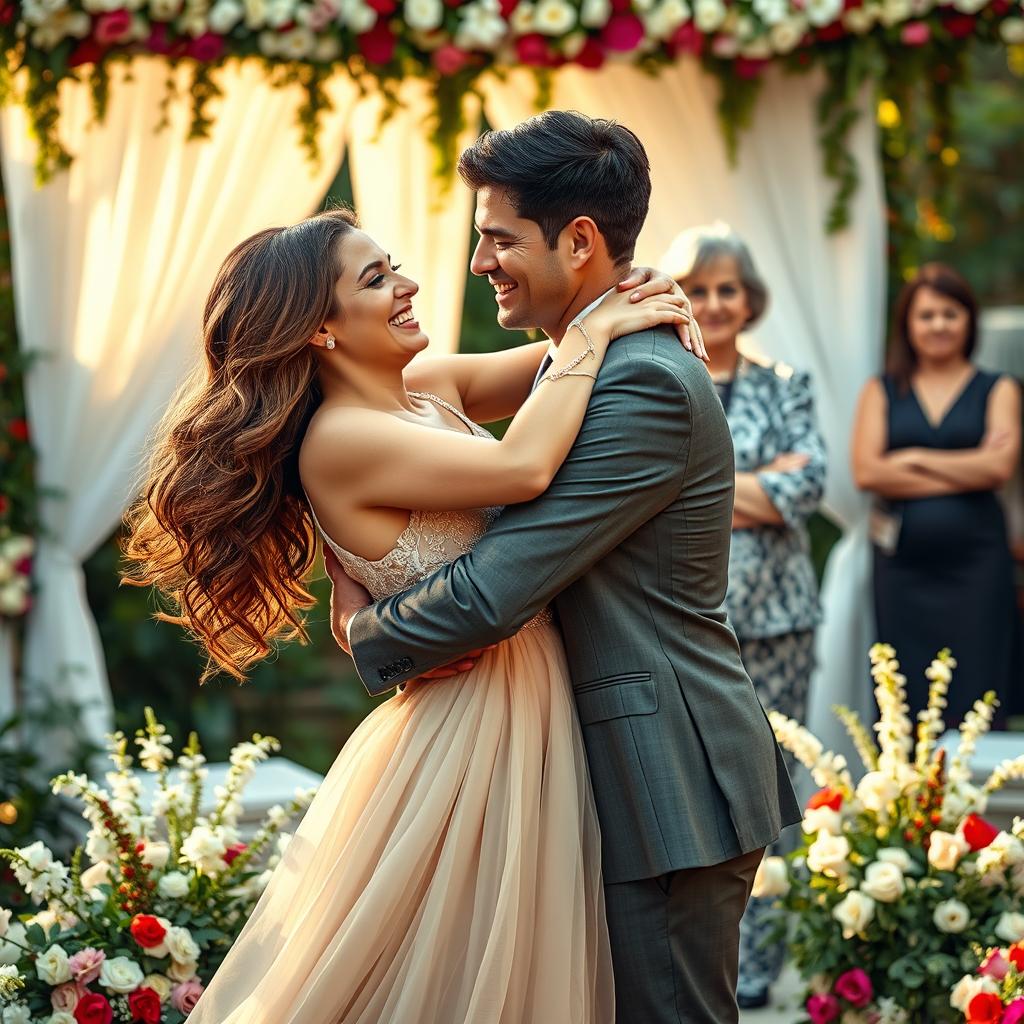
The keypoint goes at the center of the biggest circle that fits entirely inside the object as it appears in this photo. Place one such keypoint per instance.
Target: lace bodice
(431, 540)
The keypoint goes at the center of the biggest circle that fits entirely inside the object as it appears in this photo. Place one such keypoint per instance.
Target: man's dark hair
(560, 165)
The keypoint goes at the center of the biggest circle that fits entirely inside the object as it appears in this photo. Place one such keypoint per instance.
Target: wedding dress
(448, 870)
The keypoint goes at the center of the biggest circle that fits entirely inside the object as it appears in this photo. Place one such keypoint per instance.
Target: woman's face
(719, 301)
(937, 325)
(376, 321)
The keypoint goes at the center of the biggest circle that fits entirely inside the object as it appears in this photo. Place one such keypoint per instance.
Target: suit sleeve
(797, 495)
(627, 464)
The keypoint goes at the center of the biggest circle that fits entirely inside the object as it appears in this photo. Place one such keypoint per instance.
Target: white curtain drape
(406, 209)
(111, 264)
(827, 292)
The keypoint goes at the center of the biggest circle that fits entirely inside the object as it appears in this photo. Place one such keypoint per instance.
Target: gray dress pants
(675, 943)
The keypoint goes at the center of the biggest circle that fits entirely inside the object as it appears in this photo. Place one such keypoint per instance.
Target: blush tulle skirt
(447, 872)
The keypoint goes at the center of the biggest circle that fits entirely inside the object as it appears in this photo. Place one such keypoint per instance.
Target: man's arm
(626, 465)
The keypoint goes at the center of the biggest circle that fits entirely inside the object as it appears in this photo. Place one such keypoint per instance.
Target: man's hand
(647, 281)
(455, 668)
(347, 597)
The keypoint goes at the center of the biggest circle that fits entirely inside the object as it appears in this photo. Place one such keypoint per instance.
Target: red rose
(449, 59)
(622, 33)
(383, 6)
(147, 931)
(830, 33)
(207, 47)
(749, 67)
(378, 45)
(591, 54)
(855, 987)
(532, 49)
(687, 39)
(93, 1008)
(978, 832)
(4, 505)
(1015, 954)
(144, 1004)
(232, 852)
(959, 26)
(7, 13)
(18, 429)
(823, 1008)
(507, 7)
(88, 51)
(984, 1008)
(828, 797)
(113, 27)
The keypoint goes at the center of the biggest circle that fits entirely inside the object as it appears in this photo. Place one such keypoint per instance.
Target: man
(631, 544)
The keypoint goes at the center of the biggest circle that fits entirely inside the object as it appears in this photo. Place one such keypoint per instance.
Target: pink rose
(822, 1009)
(65, 997)
(449, 59)
(855, 987)
(687, 39)
(995, 966)
(532, 50)
(915, 33)
(86, 964)
(113, 27)
(1014, 1012)
(622, 33)
(185, 996)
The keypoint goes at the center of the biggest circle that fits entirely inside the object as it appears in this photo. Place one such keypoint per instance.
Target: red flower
(383, 6)
(93, 1008)
(4, 505)
(1014, 1012)
(507, 7)
(144, 1004)
(828, 797)
(18, 429)
(978, 832)
(1015, 955)
(959, 26)
(915, 33)
(984, 1008)
(88, 51)
(378, 45)
(532, 49)
(855, 987)
(147, 931)
(622, 33)
(7, 13)
(830, 33)
(449, 59)
(233, 851)
(113, 27)
(207, 47)
(686, 39)
(749, 67)
(591, 54)
(1000, 7)
(822, 1009)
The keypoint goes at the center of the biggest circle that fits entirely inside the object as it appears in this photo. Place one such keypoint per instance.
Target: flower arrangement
(16, 552)
(453, 42)
(137, 934)
(899, 877)
(994, 994)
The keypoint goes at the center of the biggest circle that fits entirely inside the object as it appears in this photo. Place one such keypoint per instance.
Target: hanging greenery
(453, 42)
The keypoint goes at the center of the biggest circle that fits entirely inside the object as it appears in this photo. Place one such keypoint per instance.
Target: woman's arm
(493, 385)
(378, 460)
(875, 470)
(992, 463)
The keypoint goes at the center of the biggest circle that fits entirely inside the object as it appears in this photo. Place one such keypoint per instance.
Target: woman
(449, 868)
(780, 474)
(934, 439)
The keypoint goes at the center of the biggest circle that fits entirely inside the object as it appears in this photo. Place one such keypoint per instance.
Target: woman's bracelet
(566, 371)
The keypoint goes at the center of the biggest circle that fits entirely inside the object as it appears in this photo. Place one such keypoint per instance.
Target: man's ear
(583, 240)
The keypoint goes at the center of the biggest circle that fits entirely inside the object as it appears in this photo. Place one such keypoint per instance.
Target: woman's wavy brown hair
(223, 529)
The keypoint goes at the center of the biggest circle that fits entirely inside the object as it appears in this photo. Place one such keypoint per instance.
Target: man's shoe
(752, 995)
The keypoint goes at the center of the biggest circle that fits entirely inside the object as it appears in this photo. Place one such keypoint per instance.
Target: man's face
(532, 283)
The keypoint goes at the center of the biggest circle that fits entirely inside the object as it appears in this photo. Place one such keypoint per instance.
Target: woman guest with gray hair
(780, 475)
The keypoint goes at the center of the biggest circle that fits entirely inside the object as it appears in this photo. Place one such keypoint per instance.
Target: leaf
(35, 935)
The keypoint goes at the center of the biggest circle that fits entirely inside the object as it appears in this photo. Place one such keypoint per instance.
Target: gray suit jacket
(631, 543)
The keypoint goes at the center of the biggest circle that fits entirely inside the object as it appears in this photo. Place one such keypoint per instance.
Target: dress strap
(437, 400)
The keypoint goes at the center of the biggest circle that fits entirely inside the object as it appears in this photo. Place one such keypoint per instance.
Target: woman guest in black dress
(934, 439)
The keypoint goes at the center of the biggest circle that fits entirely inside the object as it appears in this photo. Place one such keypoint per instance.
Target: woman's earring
(330, 341)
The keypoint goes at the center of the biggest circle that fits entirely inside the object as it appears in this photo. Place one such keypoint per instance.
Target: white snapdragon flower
(951, 916)
(424, 15)
(154, 752)
(121, 974)
(854, 913)
(205, 848)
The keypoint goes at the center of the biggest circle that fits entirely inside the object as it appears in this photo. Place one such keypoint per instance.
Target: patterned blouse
(772, 584)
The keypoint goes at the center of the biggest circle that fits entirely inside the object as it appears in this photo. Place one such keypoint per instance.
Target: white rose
(174, 885)
(787, 33)
(854, 912)
(1012, 31)
(860, 20)
(828, 855)
(182, 946)
(182, 972)
(225, 15)
(951, 916)
(553, 17)
(771, 12)
(822, 819)
(164, 10)
(121, 974)
(159, 984)
(16, 1013)
(425, 15)
(19, 547)
(883, 882)
(595, 13)
(666, 18)
(946, 850)
(771, 879)
(52, 966)
(1010, 927)
(10, 951)
(60, 1017)
(876, 791)
(897, 856)
(708, 15)
(968, 987)
(5, 920)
